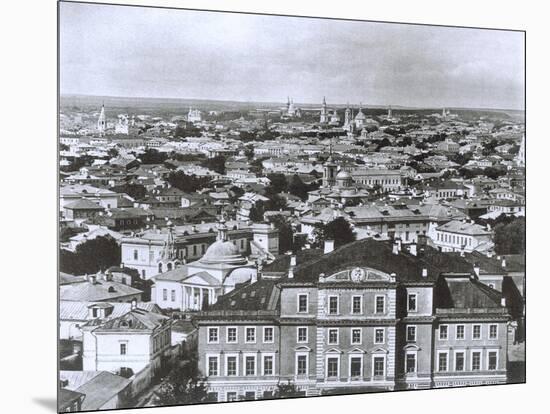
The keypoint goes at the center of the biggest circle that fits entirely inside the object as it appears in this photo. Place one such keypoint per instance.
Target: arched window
(160, 267)
(169, 266)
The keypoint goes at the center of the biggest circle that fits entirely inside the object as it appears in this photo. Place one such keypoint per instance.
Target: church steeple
(101, 124)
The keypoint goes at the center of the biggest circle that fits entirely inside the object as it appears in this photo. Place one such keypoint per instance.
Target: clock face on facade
(357, 274)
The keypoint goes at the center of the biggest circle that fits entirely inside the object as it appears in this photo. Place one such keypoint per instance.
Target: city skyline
(146, 54)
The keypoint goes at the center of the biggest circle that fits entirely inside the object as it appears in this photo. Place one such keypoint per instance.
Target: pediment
(359, 274)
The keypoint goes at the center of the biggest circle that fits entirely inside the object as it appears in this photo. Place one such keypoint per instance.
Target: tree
(278, 183)
(287, 390)
(510, 238)
(298, 188)
(136, 191)
(113, 152)
(152, 156)
(184, 385)
(216, 163)
(286, 234)
(91, 256)
(338, 230)
(187, 183)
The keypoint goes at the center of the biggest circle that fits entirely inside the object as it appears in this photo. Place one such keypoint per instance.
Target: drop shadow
(49, 403)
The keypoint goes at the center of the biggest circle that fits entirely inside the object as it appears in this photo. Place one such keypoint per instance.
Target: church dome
(343, 175)
(222, 252)
(360, 115)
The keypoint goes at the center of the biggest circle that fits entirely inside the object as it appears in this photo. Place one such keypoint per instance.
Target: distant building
(122, 124)
(462, 236)
(194, 115)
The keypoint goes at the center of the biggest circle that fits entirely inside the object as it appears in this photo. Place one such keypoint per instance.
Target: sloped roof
(83, 205)
(101, 389)
(261, 295)
(464, 292)
(73, 310)
(135, 320)
(95, 292)
(379, 255)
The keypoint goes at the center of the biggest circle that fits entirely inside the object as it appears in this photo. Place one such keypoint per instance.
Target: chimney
(92, 279)
(503, 302)
(462, 251)
(393, 276)
(412, 249)
(396, 247)
(476, 270)
(329, 246)
(254, 277)
(424, 272)
(488, 227)
(504, 262)
(133, 305)
(422, 240)
(321, 277)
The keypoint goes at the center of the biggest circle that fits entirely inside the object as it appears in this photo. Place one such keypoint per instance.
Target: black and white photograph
(264, 206)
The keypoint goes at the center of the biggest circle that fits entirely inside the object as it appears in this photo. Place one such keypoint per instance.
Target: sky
(108, 50)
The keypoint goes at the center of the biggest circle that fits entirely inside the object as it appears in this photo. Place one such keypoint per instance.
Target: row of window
(231, 365)
(356, 336)
(355, 366)
(460, 332)
(454, 239)
(231, 335)
(267, 368)
(334, 304)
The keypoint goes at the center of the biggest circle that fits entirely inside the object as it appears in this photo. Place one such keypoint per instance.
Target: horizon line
(386, 106)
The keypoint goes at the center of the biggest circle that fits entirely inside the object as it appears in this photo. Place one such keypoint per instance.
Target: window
(379, 336)
(411, 333)
(123, 348)
(356, 336)
(135, 254)
(301, 365)
(380, 304)
(493, 331)
(378, 366)
(443, 332)
(250, 365)
(268, 334)
(250, 395)
(173, 295)
(212, 335)
(231, 396)
(332, 367)
(212, 366)
(356, 304)
(268, 365)
(459, 361)
(476, 360)
(302, 334)
(442, 361)
(459, 331)
(476, 332)
(411, 302)
(302, 303)
(333, 305)
(333, 336)
(492, 360)
(355, 365)
(231, 365)
(94, 312)
(410, 363)
(250, 335)
(231, 335)
(164, 294)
